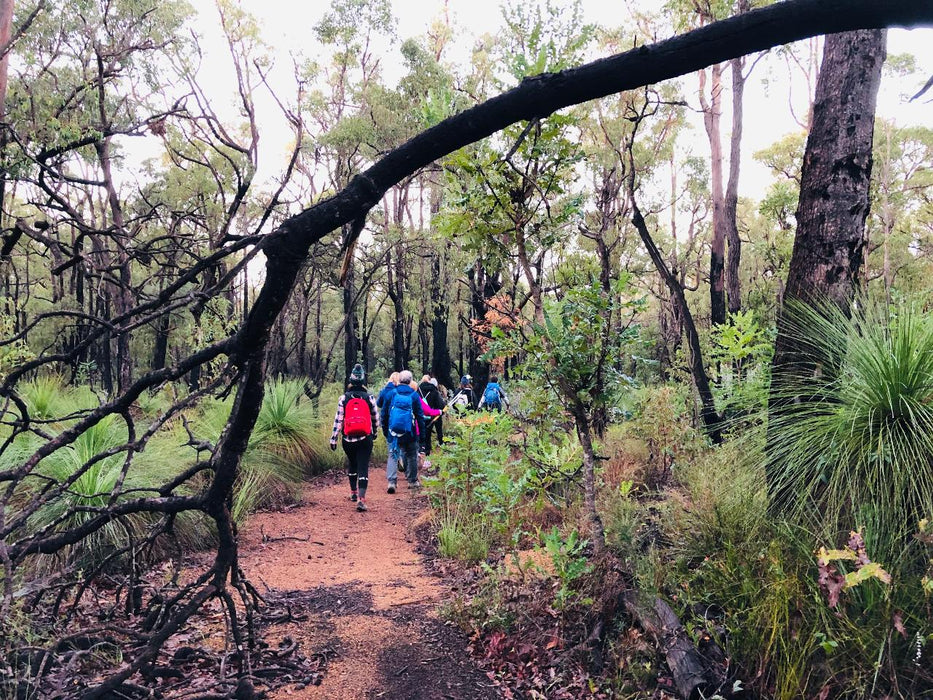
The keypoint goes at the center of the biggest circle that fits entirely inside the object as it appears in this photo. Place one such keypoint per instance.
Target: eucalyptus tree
(725, 284)
(337, 114)
(901, 185)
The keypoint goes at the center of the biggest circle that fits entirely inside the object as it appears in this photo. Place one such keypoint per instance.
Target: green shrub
(477, 485)
(761, 583)
(663, 425)
(569, 563)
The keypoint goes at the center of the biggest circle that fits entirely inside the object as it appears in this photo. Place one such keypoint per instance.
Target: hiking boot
(353, 496)
(361, 506)
(414, 484)
(391, 488)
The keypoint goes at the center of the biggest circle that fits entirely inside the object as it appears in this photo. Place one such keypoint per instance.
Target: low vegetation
(792, 598)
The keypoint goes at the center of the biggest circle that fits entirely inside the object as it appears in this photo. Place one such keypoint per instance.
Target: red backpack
(357, 418)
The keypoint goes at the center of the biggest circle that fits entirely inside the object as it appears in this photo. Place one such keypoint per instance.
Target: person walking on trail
(424, 433)
(386, 393)
(433, 399)
(405, 418)
(357, 420)
(464, 399)
(494, 396)
(383, 402)
(439, 421)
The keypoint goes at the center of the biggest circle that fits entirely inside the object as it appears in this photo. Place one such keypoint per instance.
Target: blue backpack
(401, 416)
(491, 394)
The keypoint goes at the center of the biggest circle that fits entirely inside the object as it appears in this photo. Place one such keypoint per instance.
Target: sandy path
(370, 601)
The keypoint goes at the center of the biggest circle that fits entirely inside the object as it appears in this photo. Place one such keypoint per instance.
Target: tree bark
(834, 196)
(597, 534)
(836, 173)
(690, 671)
(717, 250)
(731, 199)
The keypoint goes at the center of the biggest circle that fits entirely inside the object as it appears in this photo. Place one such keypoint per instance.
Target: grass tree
(852, 446)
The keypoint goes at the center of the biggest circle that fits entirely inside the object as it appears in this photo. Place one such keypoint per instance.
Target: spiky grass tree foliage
(90, 491)
(281, 448)
(851, 427)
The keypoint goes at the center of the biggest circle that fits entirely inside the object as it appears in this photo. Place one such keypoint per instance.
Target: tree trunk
(351, 342)
(712, 421)
(717, 249)
(836, 173)
(597, 535)
(396, 287)
(693, 676)
(731, 200)
(441, 365)
(834, 194)
(160, 346)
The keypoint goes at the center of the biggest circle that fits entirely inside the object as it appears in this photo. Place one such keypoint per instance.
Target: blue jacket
(383, 402)
(415, 407)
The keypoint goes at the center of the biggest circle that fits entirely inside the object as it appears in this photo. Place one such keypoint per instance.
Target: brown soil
(366, 602)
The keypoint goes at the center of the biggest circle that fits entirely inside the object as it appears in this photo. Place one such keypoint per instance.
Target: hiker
(429, 415)
(493, 396)
(385, 398)
(357, 420)
(405, 418)
(439, 421)
(386, 394)
(433, 400)
(464, 399)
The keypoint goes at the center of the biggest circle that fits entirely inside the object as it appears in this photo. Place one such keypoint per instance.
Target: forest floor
(369, 599)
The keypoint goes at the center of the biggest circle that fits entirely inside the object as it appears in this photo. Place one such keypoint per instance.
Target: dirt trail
(371, 603)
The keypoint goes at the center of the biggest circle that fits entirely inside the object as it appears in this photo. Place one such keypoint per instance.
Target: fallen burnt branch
(283, 538)
(695, 677)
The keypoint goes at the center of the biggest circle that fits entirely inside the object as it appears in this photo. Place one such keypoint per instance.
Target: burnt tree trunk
(834, 194)
(441, 364)
(351, 341)
(160, 347)
(712, 421)
(396, 288)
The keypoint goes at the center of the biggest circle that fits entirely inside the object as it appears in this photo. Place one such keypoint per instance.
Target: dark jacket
(432, 395)
(466, 391)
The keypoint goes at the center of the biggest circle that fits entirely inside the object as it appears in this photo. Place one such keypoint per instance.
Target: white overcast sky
(288, 25)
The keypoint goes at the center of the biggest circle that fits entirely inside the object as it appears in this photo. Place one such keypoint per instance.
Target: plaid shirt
(338, 418)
